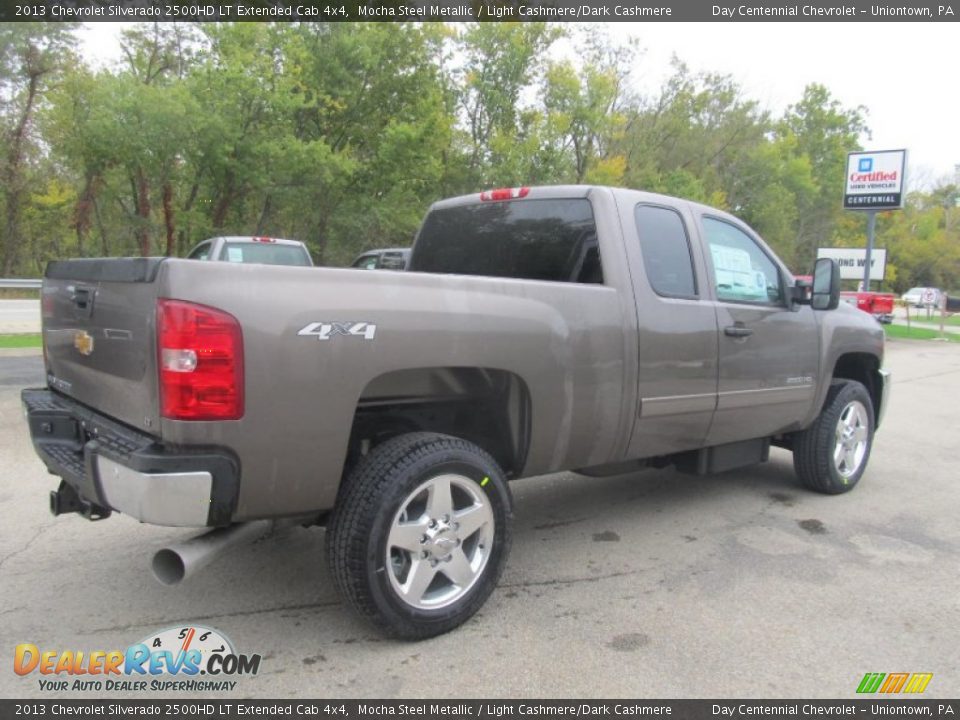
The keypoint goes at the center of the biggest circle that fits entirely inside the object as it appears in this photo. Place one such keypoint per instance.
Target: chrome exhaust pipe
(174, 564)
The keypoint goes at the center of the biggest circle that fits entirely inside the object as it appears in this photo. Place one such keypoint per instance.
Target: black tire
(366, 570)
(814, 448)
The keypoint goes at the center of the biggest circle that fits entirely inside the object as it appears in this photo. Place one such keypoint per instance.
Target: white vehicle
(263, 250)
(922, 297)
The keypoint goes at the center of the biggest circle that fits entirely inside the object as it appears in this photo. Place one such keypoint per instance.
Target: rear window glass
(531, 239)
(264, 253)
(666, 251)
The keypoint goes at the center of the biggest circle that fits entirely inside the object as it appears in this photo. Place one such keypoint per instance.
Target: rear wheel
(831, 455)
(420, 533)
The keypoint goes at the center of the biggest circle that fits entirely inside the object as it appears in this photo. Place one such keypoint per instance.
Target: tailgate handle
(737, 331)
(83, 299)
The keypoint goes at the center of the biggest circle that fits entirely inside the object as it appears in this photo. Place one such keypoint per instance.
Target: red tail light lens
(505, 193)
(200, 355)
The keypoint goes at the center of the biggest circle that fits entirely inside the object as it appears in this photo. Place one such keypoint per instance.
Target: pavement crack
(573, 581)
(217, 616)
(927, 377)
(26, 546)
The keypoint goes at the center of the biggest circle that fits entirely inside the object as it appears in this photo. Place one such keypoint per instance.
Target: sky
(905, 74)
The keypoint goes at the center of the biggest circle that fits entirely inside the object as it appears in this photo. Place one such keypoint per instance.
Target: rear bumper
(118, 468)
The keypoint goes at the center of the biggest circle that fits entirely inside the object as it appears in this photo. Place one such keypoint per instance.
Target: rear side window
(265, 253)
(532, 239)
(666, 251)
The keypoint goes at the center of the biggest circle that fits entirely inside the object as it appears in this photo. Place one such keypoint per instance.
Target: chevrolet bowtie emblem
(83, 342)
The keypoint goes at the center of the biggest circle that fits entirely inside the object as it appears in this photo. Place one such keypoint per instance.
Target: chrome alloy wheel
(439, 541)
(851, 439)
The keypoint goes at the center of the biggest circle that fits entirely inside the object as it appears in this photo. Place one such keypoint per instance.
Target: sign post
(871, 229)
(875, 181)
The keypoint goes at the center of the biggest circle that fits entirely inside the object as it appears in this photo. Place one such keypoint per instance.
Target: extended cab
(536, 330)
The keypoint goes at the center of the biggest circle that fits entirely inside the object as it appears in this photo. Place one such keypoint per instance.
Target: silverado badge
(83, 342)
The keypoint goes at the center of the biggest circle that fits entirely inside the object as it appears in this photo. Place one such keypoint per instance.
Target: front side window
(200, 252)
(666, 251)
(742, 272)
(533, 239)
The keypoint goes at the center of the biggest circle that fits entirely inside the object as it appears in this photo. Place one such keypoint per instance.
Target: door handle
(737, 331)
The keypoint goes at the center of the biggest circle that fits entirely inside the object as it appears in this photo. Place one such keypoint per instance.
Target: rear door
(768, 352)
(677, 329)
(99, 319)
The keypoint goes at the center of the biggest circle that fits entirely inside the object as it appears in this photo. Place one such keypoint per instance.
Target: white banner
(852, 260)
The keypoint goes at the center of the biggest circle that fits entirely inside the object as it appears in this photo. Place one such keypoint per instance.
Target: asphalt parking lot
(653, 584)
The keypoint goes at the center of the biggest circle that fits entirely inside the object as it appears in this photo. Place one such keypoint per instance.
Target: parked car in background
(263, 250)
(384, 259)
(922, 297)
(878, 304)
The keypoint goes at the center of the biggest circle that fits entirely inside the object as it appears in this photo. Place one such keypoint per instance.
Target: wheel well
(488, 407)
(864, 368)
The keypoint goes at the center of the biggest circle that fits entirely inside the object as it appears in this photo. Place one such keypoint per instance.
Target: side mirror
(826, 285)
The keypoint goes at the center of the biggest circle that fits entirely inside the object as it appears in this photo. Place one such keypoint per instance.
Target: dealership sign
(852, 260)
(875, 180)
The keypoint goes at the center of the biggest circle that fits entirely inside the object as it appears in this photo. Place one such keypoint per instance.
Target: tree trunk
(84, 209)
(12, 239)
(143, 212)
(264, 214)
(169, 220)
(105, 246)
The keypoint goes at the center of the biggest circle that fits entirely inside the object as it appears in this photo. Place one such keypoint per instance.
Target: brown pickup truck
(535, 330)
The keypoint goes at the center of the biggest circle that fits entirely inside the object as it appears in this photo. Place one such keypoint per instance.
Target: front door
(768, 352)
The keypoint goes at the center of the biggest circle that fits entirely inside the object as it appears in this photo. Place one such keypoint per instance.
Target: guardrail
(20, 283)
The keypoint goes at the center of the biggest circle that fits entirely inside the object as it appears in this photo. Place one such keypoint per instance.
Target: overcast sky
(906, 74)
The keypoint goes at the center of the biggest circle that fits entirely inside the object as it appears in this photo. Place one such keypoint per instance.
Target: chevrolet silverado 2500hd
(536, 330)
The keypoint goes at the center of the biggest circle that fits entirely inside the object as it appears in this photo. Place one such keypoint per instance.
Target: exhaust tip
(168, 567)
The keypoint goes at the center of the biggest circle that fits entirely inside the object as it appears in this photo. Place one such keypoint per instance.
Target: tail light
(505, 193)
(200, 354)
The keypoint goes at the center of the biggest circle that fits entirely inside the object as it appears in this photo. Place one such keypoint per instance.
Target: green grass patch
(921, 317)
(902, 332)
(19, 294)
(23, 340)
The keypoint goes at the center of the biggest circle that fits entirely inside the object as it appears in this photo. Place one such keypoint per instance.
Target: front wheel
(831, 455)
(420, 533)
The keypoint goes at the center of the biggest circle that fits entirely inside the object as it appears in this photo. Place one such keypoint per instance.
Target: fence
(20, 283)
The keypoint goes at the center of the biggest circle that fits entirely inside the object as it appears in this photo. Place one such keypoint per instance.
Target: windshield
(265, 254)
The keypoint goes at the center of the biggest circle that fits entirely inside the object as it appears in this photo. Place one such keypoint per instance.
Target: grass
(902, 332)
(23, 340)
(19, 294)
(921, 317)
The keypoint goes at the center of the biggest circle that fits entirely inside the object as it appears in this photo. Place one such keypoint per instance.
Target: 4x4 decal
(328, 330)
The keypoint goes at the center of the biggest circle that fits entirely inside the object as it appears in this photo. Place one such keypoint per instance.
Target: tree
(32, 55)
(585, 108)
(819, 129)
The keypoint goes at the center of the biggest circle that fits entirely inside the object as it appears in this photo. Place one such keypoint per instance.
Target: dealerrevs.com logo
(179, 659)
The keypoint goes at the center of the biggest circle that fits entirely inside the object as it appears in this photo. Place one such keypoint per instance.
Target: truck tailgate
(99, 319)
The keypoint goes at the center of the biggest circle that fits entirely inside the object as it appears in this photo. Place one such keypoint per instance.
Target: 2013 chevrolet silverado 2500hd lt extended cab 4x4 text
(536, 330)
